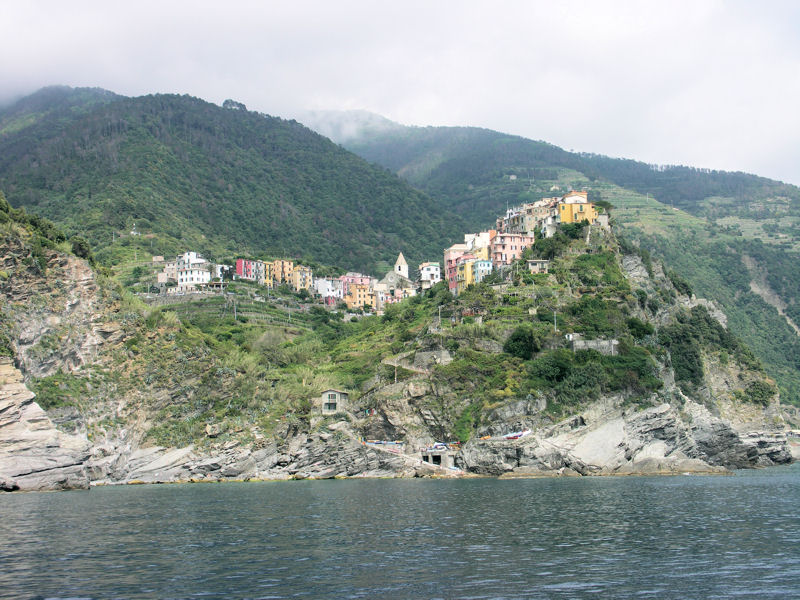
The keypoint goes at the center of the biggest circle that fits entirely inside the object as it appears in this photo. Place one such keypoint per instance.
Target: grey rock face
(634, 268)
(656, 440)
(34, 455)
(62, 306)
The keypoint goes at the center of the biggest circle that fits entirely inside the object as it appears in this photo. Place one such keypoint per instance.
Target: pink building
(349, 279)
(508, 247)
(451, 256)
(251, 270)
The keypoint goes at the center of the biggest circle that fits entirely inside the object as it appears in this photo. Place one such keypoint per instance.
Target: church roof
(400, 260)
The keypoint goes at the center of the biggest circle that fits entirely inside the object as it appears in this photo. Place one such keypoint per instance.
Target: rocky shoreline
(604, 440)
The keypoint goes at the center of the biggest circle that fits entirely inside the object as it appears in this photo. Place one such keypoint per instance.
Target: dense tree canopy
(218, 180)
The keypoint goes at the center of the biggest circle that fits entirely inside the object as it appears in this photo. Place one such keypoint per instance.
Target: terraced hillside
(734, 236)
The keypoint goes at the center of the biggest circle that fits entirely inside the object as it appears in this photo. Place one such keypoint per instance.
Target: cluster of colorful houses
(465, 263)
(191, 272)
(495, 249)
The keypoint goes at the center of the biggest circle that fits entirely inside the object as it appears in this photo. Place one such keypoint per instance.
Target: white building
(330, 290)
(192, 270)
(430, 273)
(476, 241)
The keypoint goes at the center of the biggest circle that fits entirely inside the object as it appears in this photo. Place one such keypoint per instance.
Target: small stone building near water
(332, 401)
(439, 455)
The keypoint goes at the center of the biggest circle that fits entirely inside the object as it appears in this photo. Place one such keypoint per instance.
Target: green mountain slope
(220, 180)
(734, 236)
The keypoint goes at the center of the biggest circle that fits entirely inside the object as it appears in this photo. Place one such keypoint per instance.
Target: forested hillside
(220, 180)
(453, 160)
(734, 236)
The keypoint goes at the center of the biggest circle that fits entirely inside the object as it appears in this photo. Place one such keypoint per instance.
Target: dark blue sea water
(640, 537)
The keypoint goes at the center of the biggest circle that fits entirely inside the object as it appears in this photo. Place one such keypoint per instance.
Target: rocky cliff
(34, 455)
(608, 440)
(110, 374)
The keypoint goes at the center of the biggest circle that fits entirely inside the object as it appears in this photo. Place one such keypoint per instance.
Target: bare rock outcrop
(57, 318)
(658, 440)
(34, 455)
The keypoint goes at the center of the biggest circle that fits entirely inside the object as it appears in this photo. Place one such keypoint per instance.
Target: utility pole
(441, 329)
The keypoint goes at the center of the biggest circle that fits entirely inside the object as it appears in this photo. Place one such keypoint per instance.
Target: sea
(681, 537)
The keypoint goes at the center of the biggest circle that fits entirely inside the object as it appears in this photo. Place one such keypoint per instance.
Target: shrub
(552, 367)
(574, 230)
(466, 423)
(641, 296)
(82, 249)
(758, 392)
(523, 342)
(679, 283)
(639, 328)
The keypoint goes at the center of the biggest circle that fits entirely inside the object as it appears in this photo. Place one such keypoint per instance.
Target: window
(331, 406)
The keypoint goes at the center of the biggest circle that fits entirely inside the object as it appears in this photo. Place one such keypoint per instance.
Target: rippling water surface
(661, 537)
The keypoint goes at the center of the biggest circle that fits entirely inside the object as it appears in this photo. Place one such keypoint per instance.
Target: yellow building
(269, 280)
(282, 271)
(465, 274)
(359, 295)
(481, 253)
(301, 278)
(577, 212)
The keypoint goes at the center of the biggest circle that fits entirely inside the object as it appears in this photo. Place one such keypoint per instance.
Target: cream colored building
(401, 266)
(301, 278)
(282, 271)
(332, 401)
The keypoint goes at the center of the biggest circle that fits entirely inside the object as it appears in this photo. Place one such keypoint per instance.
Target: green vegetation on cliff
(244, 368)
(253, 375)
(734, 237)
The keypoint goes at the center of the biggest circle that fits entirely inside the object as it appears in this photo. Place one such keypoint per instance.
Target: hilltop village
(480, 255)
(607, 364)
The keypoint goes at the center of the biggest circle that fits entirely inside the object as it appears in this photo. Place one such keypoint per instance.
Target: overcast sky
(704, 83)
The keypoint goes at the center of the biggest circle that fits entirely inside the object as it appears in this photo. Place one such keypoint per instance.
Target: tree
(574, 230)
(523, 343)
(82, 249)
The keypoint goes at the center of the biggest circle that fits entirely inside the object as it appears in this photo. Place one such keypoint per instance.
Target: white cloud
(712, 84)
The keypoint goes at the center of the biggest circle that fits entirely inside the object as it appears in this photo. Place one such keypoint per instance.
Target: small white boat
(516, 434)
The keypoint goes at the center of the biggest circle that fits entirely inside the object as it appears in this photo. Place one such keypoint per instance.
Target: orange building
(359, 295)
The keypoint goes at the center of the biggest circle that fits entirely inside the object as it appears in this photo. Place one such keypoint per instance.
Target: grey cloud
(711, 84)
